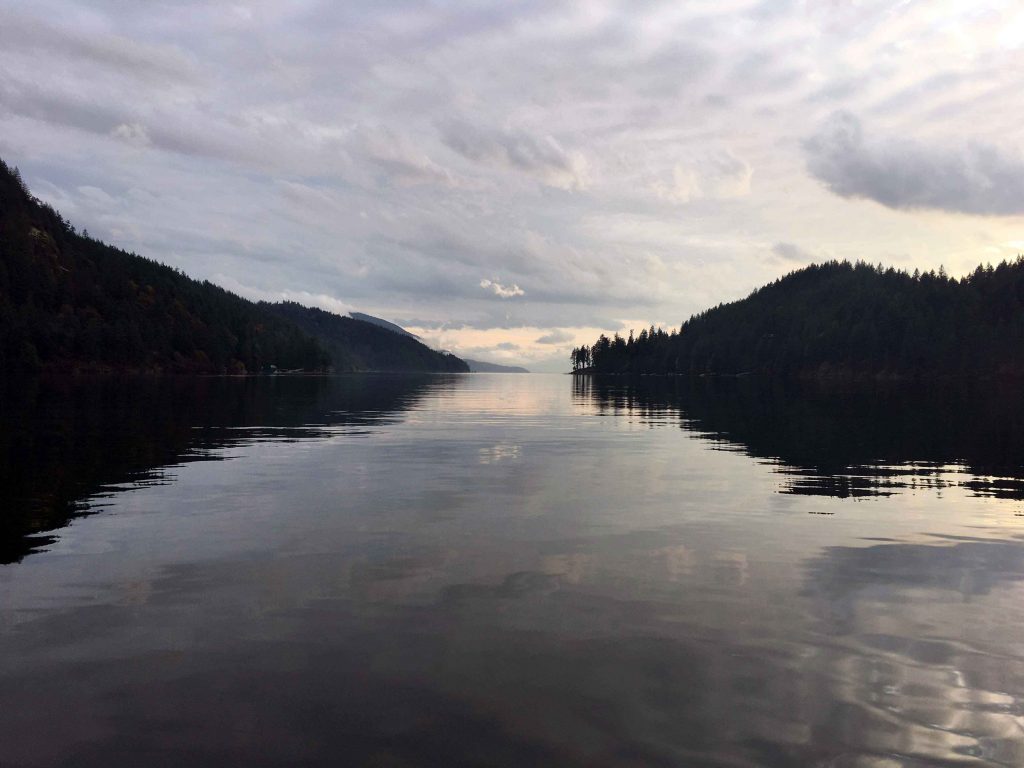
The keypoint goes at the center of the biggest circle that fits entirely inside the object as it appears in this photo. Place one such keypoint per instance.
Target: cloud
(899, 173)
(60, 105)
(790, 252)
(400, 159)
(132, 133)
(119, 54)
(505, 292)
(717, 176)
(555, 337)
(539, 156)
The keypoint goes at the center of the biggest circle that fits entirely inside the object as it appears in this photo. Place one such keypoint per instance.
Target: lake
(503, 570)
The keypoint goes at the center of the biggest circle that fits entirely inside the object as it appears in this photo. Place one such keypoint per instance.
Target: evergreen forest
(71, 303)
(843, 320)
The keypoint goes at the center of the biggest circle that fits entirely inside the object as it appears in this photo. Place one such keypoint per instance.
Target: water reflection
(242, 662)
(841, 442)
(63, 441)
(918, 642)
(508, 571)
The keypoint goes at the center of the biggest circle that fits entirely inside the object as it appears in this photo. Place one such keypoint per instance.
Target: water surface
(509, 570)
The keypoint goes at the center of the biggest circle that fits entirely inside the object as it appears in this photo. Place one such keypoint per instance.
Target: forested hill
(69, 302)
(841, 319)
(357, 345)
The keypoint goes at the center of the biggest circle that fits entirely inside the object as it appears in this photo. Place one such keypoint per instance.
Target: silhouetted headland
(844, 321)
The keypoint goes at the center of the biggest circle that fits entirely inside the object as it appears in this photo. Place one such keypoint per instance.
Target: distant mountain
(357, 345)
(69, 302)
(479, 366)
(381, 323)
(475, 366)
(845, 320)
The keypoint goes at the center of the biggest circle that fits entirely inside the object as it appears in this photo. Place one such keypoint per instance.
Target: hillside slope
(841, 319)
(69, 302)
(355, 345)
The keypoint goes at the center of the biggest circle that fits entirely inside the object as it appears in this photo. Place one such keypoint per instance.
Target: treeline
(841, 319)
(69, 302)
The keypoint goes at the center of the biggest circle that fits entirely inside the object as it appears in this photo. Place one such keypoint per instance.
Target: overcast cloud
(900, 173)
(508, 180)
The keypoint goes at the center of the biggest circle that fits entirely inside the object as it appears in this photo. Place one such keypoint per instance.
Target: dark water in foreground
(509, 571)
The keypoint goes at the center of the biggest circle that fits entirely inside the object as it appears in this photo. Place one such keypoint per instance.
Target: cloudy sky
(509, 179)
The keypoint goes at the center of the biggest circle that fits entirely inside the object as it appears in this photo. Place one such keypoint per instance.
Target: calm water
(511, 571)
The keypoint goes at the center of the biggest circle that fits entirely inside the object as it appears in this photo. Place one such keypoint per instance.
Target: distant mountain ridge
(842, 320)
(69, 302)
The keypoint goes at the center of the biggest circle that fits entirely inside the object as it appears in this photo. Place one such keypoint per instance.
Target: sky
(510, 179)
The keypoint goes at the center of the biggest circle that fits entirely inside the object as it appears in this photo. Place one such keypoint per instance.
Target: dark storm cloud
(903, 174)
